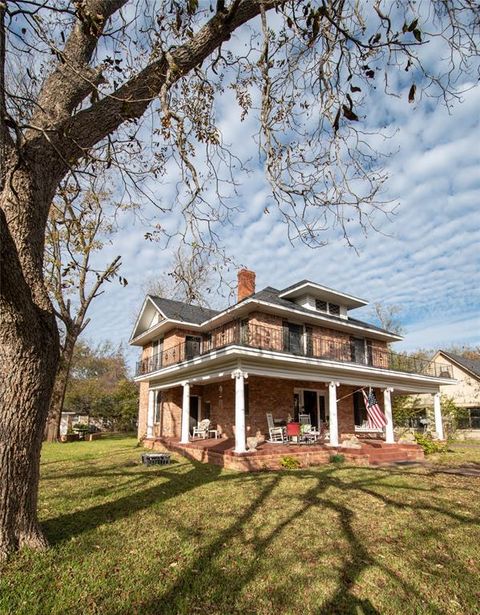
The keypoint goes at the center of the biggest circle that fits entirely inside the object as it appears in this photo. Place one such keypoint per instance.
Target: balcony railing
(288, 341)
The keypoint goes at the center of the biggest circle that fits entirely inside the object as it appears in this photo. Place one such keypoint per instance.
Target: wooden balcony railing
(289, 342)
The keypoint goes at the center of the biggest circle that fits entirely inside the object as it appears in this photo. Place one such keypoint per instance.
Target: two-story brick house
(280, 351)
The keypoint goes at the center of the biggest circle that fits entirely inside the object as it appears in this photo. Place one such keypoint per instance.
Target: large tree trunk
(52, 429)
(29, 350)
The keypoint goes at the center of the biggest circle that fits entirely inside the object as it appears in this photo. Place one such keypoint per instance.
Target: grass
(191, 538)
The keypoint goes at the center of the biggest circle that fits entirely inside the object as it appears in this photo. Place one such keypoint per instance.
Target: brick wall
(265, 395)
(270, 395)
(143, 398)
(171, 414)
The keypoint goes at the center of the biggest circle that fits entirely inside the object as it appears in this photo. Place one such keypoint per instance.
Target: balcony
(291, 342)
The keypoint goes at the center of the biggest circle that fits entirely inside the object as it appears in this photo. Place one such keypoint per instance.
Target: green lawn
(191, 538)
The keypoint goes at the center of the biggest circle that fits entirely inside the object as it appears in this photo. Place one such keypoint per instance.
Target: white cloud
(427, 260)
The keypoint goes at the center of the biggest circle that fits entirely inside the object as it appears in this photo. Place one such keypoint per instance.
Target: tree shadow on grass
(208, 587)
(66, 526)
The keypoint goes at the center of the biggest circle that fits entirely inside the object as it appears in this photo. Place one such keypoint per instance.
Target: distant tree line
(99, 386)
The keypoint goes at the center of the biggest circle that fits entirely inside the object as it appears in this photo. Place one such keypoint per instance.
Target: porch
(221, 452)
(237, 408)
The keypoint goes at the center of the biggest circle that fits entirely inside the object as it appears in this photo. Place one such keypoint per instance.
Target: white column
(437, 411)
(240, 433)
(387, 406)
(150, 412)
(185, 413)
(332, 411)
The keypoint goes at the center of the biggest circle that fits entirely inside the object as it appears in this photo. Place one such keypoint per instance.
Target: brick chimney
(246, 284)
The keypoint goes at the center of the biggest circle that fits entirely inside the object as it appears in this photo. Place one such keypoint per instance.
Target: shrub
(428, 444)
(337, 458)
(290, 463)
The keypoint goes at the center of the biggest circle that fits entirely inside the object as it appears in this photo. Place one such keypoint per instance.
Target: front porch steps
(269, 456)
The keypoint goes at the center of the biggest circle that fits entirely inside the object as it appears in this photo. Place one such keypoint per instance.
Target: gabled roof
(180, 312)
(183, 312)
(471, 365)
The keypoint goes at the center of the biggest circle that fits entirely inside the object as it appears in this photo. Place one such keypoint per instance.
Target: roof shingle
(177, 310)
(471, 364)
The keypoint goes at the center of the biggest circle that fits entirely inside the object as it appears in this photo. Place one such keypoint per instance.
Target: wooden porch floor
(269, 456)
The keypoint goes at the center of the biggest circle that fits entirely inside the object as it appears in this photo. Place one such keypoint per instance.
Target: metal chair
(304, 419)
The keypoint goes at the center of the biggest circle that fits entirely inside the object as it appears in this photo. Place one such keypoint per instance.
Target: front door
(194, 411)
(311, 403)
(310, 406)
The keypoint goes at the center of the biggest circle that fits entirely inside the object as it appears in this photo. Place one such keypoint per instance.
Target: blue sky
(425, 258)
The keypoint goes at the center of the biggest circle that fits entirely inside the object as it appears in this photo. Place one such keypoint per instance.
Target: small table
(214, 431)
(150, 459)
(311, 436)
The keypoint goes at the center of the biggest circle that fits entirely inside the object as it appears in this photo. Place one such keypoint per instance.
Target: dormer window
(334, 309)
(320, 305)
(328, 308)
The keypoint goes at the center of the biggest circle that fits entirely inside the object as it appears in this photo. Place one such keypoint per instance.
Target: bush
(428, 444)
(337, 458)
(290, 463)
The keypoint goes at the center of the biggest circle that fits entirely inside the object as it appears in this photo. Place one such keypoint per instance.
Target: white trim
(301, 399)
(137, 322)
(356, 301)
(317, 317)
(459, 365)
(281, 358)
(437, 411)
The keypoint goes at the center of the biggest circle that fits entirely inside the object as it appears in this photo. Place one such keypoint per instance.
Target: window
(330, 308)
(192, 346)
(309, 341)
(357, 347)
(469, 419)
(334, 309)
(157, 348)
(157, 412)
(369, 352)
(292, 338)
(359, 410)
(207, 342)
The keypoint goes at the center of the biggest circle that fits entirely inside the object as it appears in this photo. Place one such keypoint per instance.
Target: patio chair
(201, 430)
(304, 419)
(293, 432)
(309, 434)
(270, 421)
(277, 435)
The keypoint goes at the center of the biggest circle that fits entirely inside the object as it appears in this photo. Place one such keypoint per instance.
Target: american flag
(376, 418)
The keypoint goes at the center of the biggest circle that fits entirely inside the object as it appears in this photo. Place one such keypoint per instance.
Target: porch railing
(280, 339)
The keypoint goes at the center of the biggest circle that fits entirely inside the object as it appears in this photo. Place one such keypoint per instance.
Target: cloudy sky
(425, 259)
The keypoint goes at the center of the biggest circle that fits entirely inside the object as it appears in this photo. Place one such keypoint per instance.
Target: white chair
(270, 422)
(277, 435)
(304, 419)
(201, 430)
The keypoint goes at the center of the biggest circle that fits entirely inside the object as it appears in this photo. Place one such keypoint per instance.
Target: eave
(275, 364)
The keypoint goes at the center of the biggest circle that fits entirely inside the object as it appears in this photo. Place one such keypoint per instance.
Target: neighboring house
(281, 351)
(69, 419)
(465, 392)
